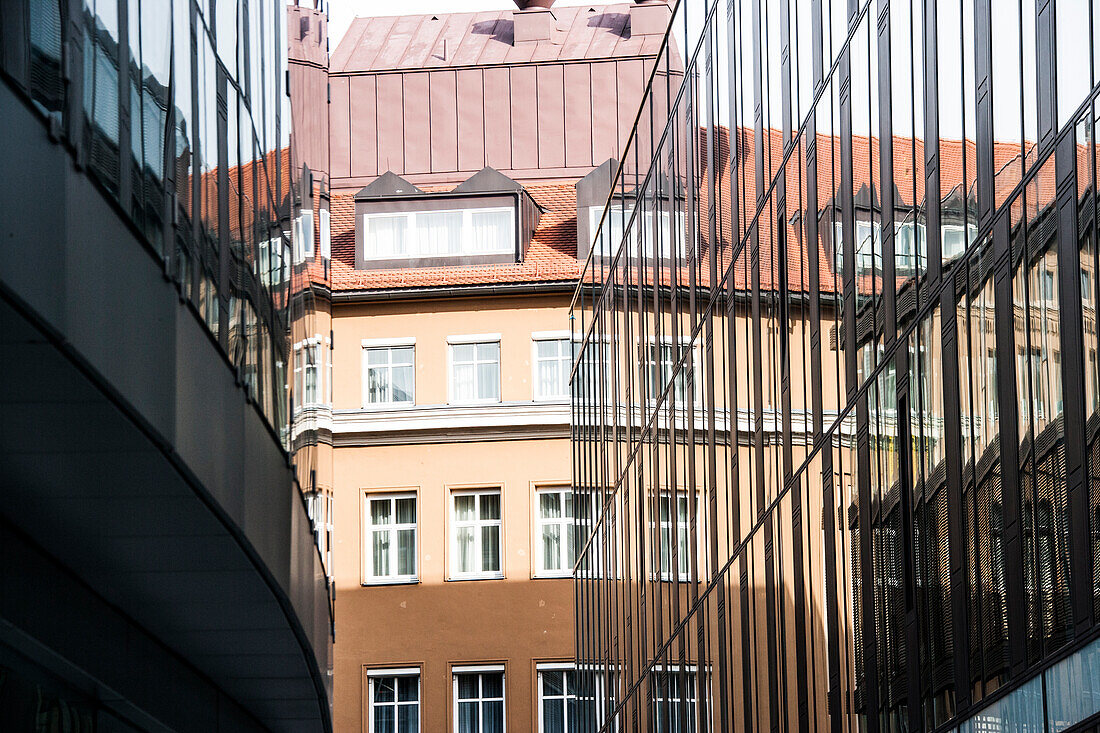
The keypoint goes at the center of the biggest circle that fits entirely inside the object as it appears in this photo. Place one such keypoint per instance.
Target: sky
(342, 12)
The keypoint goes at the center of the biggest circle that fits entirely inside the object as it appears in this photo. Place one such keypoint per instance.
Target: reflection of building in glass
(857, 482)
(152, 529)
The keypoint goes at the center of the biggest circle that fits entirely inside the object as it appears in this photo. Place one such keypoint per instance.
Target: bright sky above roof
(342, 12)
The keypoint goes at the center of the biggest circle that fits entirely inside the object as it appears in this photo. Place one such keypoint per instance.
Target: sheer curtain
(406, 538)
(439, 232)
(490, 535)
(385, 235)
(463, 358)
(464, 536)
(491, 231)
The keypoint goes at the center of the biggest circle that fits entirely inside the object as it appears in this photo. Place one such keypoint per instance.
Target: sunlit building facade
(159, 567)
(835, 403)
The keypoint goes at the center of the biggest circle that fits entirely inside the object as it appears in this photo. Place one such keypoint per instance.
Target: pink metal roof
(474, 39)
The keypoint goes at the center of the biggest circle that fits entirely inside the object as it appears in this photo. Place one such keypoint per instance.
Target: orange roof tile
(551, 255)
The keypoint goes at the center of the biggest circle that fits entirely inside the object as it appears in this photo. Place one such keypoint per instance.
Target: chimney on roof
(649, 17)
(533, 21)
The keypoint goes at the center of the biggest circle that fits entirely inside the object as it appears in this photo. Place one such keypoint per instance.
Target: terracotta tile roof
(551, 255)
(472, 39)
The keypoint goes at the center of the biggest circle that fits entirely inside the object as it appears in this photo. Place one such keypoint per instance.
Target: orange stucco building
(440, 214)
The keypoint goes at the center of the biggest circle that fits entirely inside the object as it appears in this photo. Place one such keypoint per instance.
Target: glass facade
(176, 109)
(877, 213)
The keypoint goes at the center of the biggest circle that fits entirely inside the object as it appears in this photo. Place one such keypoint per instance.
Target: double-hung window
(394, 696)
(552, 359)
(475, 529)
(475, 368)
(479, 699)
(390, 551)
(556, 539)
(388, 372)
(674, 540)
(564, 702)
(674, 702)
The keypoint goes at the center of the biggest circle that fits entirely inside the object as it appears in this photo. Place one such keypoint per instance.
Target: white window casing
(476, 534)
(439, 233)
(473, 369)
(390, 538)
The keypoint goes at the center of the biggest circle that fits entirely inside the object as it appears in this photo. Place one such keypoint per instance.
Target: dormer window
(439, 233)
(488, 219)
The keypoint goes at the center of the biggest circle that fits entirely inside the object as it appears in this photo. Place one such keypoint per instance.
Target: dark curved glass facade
(175, 108)
(836, 399)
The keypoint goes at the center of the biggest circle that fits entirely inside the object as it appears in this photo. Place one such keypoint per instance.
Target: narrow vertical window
(326, 234)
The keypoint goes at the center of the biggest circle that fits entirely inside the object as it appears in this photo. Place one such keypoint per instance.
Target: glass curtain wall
(845, 359)
(174, 108)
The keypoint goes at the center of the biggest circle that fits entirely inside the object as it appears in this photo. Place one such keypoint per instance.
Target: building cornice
(450, 424)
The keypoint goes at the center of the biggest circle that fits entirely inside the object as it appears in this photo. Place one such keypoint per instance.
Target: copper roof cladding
(436, 98)
(478, 39)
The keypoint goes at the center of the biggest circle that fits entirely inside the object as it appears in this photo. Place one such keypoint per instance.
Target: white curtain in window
(439, 232)
(385, 235)
(491, 231)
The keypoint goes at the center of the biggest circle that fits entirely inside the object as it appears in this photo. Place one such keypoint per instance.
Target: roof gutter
(458, 291)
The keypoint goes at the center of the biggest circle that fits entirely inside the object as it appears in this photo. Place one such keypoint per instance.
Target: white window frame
(480, 669)
(476, 338)
(303, 235)
(374, 674)
(319, 507)
(314, 343)
(326, 233)
(477, 523)
(569, 338)
(394, 526)
(605, 364)
(566, 570)
(386, 343)
(412, 242)
(328, 371)
(657, 525)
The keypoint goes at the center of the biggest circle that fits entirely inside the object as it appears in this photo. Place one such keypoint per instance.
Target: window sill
(467, 403)
(552, 575)
(412, 580)
(475, 576)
